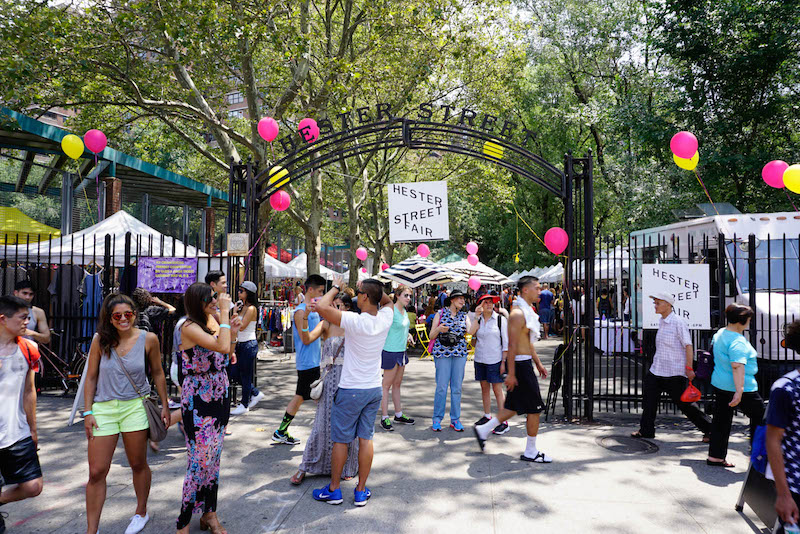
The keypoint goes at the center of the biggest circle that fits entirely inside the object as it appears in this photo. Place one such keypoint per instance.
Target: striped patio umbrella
(416, 271)
(487, 275)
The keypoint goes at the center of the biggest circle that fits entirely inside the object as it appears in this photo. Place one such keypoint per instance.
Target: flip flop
(723, 463)
(297, 480)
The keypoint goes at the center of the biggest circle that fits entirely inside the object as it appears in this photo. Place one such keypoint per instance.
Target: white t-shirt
(364, 337)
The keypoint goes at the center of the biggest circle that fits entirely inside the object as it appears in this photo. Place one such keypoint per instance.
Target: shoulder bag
(318, 385)
(157, 431)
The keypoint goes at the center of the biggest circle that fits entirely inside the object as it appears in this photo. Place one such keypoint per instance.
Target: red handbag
(691, 394)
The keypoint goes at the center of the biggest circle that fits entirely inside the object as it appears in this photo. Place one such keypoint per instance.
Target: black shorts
(525, 397)
(19, 463)
(304, 380)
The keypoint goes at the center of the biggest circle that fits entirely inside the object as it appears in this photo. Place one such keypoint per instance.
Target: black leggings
(751, 405)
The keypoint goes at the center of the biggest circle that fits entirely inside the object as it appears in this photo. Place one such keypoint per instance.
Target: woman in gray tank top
(115, 404)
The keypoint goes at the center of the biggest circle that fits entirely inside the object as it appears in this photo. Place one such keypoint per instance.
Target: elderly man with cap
(672, 364)
(491, 349)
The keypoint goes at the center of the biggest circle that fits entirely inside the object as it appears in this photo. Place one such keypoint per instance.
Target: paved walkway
(422, 482)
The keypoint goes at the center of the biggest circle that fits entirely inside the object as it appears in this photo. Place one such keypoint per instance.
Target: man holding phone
(306, 330)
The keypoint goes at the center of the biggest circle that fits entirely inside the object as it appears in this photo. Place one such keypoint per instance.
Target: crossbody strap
(338, 352)
(124, 370)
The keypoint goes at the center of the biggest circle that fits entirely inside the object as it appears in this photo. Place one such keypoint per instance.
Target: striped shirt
(671, 340)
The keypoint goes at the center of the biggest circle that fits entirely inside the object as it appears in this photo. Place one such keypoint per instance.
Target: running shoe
(361, 497)
(386, 424)
(482, 421)
(457, 426)
(436, 426)
(284, 438)
(502, 428)
(3, 515)
(326, 495)
(255, 400)
(403, 420)
(174, 405)
(239, 410)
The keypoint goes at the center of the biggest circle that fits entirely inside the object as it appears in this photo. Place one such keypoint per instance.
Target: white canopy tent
(300, 262)
(484, 272)
(89, 245)
(608, 265)
(361, 276)
(553, 275)
(274, 268)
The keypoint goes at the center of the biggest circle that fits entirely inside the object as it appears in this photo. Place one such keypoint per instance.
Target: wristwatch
(339, 289)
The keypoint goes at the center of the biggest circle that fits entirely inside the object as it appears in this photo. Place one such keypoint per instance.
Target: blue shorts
(489, 372)
(353, 414)
(390, 359)
(545, 316)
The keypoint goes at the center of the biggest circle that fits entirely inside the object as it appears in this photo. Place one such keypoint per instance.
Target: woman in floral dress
(205, 404)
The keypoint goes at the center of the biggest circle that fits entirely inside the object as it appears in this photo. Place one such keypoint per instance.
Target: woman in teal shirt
(394, 359)
(734, 382)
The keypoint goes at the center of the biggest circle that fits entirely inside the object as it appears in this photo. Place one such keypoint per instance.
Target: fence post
(569, 323)
(588, 223)
(751, 284)
(721, 260)
(108, 267)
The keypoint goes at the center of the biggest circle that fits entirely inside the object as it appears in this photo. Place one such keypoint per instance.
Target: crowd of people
(350, 356)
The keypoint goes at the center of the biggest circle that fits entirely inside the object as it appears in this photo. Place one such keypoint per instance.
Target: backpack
(31, 352)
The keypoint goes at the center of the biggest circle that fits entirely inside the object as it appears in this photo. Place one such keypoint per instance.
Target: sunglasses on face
(117, 316)
(211, 297)
(360, 292)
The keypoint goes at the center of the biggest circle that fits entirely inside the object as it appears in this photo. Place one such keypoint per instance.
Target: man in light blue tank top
(306, 330)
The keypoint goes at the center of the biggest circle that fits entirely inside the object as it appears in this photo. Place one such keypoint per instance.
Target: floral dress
(205, 407)
(458, 326)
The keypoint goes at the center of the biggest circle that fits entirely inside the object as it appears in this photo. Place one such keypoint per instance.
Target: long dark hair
(249, 297)
(107, 332)
(195, 300)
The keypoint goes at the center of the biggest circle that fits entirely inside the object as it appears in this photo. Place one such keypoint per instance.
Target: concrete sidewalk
(422, 482)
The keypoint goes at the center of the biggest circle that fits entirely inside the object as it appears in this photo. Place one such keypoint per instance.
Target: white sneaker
(255, 400)
(137, 524)
(239, 410)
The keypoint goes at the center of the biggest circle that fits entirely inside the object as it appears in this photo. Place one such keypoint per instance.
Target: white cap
(666, 297)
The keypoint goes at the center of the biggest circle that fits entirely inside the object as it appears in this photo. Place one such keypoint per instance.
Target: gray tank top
(113, 384)
(31, 322)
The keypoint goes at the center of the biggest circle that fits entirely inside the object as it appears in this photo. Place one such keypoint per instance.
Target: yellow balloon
(791, 178)
(278, 176)
(688, 164)
(493, 150)
(72, 145)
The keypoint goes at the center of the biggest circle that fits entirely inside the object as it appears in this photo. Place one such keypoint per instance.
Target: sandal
(723, 463)
(215, 527)
(638, 435)
(153, 445)
(298, 478)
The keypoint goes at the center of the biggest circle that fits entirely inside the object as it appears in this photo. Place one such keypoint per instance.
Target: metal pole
(751, 283)
(588, 222)
(569, 323)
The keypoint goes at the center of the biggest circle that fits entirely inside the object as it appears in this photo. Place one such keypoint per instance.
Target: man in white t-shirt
(359, 395)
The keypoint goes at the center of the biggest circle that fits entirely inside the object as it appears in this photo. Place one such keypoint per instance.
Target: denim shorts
(353, 414)
(545, 316)
(489, 372)
(390, 359)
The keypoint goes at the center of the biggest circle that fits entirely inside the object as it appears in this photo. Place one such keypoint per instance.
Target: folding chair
(470, 347)
(556, 375)
(422, 336)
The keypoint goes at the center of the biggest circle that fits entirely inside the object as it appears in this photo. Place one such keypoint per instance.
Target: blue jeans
(449, 372)
(242, 371)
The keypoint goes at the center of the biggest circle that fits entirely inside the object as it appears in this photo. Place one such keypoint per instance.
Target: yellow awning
(18, 228)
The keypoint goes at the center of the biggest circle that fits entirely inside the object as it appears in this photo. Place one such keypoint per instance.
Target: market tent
(277, 269)
(300, 264)
(16, 227)
(608, 265)
(416, 271)
(484, 272)
(553, 275)
(88, 245)
(450, 258)
(361, 276)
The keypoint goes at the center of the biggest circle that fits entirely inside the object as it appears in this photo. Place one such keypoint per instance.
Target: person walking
(247, 349)
(523, 396)
(205, 401)
(733, 381)
(38, 330)
(115, 384)
(358, 399)
(448, 331)
(317, 454)
(20, 472)
(394, 359)
(491, 349)
(306, 329)
(672, 365)
(546, 298)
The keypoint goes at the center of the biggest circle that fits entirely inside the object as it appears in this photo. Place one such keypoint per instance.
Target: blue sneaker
(361, 497)
(457, 426)
(326, 495)
(436, 426)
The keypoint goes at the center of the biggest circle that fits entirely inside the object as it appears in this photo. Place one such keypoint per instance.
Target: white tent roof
(482, 271)
(88, 245)
(554, 274)
(608, 264)
(274, 268)
(361, 276)
(300, 261)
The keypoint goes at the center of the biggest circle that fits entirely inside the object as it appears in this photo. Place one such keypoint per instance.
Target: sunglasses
(211, 297)
(117, 316)
(360, 292)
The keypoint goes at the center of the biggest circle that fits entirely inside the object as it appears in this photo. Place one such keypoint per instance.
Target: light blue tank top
(397, 339)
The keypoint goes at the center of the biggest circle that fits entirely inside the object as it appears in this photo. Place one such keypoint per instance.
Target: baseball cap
(666, 297)
(250, 286)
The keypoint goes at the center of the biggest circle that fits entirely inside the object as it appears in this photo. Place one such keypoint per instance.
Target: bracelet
(336, 287)
(89, 412)
(304, 329)
(225, 326)
(689, 368)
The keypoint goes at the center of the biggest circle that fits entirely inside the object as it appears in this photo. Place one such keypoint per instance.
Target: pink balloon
(364, 270)
(772, 173)
(684, 145)
(423, 250)
(308, 130)
(361, 253)
(472, 248)
(280, 200)
(474, 283)
(268, 129)
(556, 240)
(384, 266)
(472, 259)
(95, 141)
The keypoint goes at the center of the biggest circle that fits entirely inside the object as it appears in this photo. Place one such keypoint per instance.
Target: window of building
(235, 98)
(236, 114)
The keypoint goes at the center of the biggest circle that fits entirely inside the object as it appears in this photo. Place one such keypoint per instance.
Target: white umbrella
(416, 271)
(482, 271)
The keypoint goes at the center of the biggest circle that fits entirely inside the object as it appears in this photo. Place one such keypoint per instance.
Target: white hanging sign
(690, 286)
(418, 212)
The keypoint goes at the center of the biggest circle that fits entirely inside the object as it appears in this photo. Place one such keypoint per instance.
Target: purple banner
(167, 275)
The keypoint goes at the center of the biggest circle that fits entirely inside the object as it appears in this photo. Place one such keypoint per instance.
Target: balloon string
(97, 183)
(526, 224)
(88, 206)
(790, 199)
(706, 191)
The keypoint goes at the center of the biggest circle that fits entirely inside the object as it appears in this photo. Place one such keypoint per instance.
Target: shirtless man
(523, 387)
(38, 330)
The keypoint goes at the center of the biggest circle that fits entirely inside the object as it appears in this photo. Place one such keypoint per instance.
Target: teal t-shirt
(397, 339)
(307, 356)
(732, 347)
